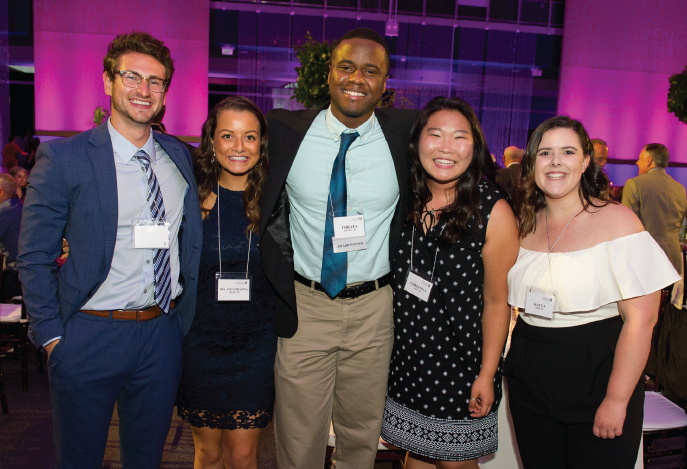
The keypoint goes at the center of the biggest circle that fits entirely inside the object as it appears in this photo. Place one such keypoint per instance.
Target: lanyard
(436, 253)
(369, 153)
(219, 238)
(548, 242)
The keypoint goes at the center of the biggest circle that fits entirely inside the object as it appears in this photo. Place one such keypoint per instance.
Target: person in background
(31, 159)
(600, 152)
(587, 283)
(10, 222)
(658, 200)
(226, 391)
(334, 311)
(509, 176)
(10, 152)
(445, 374)
(113, 320)
(22, 142)
(21, 176)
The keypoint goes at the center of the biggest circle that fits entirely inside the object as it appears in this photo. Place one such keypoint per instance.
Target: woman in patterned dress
(450, 295)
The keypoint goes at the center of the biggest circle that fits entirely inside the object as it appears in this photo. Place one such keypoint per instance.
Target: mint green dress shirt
(372, 188)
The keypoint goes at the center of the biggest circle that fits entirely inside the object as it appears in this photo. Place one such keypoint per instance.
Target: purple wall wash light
(617, 57)
(70, 41)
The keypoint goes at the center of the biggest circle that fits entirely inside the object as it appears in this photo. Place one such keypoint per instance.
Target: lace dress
(227, 378)
(438, 348)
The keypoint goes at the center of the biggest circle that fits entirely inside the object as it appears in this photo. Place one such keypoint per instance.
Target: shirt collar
(126, 150)
(514, 162)
(336, 128)
(654, 169)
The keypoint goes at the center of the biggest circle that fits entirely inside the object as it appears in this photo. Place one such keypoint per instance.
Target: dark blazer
(508, 177)
(287, 130)
(73, 194)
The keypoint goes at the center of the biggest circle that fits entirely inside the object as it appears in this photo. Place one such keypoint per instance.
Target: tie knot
(143, 157)
(347, 139)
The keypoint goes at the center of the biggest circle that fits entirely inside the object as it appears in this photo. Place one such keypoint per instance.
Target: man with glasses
(113, 317)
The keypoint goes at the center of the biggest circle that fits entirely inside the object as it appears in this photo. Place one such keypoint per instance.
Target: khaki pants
(334, 369)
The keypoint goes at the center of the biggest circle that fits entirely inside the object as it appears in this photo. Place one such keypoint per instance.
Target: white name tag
(150, 235)
(540, 304)
(232, 289)
(349, 227)
(349, 244)
(418, 286)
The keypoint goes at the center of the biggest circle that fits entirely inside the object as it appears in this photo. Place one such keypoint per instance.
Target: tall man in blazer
(658, 200)
(112, 318)
(334, 309)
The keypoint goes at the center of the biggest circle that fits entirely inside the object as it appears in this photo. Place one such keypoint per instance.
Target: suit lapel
(176, 153)
(395, 144)
(288, 149)
(102, 158)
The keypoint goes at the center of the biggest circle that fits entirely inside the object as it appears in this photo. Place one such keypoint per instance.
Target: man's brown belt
(138, 315)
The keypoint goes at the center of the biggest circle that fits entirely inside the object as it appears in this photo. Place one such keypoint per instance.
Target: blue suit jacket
(73, 194)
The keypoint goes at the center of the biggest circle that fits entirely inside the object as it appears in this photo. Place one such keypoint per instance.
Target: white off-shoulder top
(589, 282)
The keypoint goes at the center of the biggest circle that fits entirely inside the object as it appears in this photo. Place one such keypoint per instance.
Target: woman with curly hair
(227, 385)
(587, 283)
(450, 295)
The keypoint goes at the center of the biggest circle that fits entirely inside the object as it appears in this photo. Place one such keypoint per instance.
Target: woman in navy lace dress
(227, 385)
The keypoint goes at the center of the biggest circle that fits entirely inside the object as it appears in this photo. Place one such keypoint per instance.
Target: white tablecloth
(10, 313)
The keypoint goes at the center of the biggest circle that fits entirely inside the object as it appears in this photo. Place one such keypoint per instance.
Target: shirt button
(145, 291)
(147, 262)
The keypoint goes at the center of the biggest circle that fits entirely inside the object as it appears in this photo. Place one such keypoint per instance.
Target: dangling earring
(214, 159)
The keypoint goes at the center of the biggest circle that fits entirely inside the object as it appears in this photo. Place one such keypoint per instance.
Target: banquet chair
(19, 300)
(386, 452)
(664, 433)
(15, 342)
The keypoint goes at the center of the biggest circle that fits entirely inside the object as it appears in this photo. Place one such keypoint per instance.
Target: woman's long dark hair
(462, 216)
(207, 170)
(528, 199)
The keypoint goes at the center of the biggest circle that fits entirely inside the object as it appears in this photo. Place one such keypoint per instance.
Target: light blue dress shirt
(372, 187)
(130, 284)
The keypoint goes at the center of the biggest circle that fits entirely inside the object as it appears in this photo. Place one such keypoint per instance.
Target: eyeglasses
(133, 80)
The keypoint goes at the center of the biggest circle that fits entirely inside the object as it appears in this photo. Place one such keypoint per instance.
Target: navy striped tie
(163, 271)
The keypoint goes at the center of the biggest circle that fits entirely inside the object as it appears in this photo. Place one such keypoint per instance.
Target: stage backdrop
(617, 57)
(70, 41)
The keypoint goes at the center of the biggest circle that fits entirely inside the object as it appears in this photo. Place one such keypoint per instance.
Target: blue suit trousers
(100, 361)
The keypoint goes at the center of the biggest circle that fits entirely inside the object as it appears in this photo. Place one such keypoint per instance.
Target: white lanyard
(436, 253)
(219, 238)
(417, 284)
(541, 303)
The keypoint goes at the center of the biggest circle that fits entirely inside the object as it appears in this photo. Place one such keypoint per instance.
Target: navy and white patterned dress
(438, 348)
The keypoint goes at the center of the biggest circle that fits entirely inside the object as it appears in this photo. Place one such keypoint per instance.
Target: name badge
(349, 232)
(149, 234)
(418, 286)
(232, 286)
(540, 304)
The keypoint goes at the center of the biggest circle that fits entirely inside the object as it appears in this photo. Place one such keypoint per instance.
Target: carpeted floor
(26, 432)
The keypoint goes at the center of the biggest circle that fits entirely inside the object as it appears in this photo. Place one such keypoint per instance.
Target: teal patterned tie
(335, 265)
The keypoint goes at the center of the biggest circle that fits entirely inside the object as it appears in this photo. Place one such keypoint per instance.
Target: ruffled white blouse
(589, 282)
